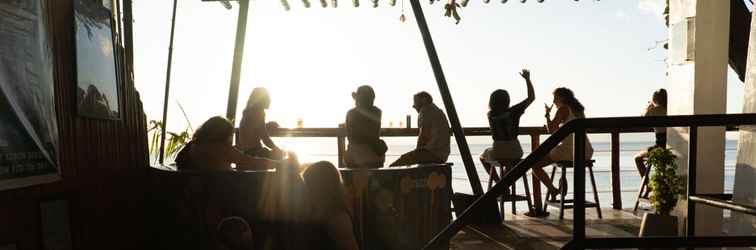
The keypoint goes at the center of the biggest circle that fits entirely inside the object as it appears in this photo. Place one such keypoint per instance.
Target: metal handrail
(579, 127)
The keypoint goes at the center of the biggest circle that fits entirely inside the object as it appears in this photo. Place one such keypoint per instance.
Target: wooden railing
(580, 128)
(533, 132)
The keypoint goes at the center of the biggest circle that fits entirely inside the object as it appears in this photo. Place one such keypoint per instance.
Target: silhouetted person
(505, 124)
(363, 127)
(434, 137)
(253, 129)
(211, 149)
(329, 211)
(235, 234)
(656, 107)
(568, 109)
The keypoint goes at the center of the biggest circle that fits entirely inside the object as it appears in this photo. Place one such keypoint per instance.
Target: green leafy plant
(175, 141)
(173, 144)
(665, 182)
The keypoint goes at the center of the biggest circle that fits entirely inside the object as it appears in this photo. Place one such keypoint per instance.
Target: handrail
(579, 127)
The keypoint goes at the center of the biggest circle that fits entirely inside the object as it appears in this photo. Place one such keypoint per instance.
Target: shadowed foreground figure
(433, 141)
(211, 149)
(235, 234)
(329, 211)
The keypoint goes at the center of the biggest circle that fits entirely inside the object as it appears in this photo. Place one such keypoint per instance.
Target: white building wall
(745, 169)
(698, 85)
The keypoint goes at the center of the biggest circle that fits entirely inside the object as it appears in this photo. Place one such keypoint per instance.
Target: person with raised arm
(504, 122)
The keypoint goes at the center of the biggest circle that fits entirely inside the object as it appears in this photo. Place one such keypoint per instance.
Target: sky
(608, 52)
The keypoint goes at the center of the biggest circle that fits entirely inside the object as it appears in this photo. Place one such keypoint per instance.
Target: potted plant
(666, 186)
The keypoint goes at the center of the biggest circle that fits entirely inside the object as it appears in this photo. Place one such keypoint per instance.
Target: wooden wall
(103, 163)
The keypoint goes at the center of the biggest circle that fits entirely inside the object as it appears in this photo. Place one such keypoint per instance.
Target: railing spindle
(535, 141)
(578, 230)
(616, 187)
(692, 170)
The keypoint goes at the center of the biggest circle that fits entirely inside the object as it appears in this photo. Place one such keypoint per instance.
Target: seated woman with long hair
(505, 124)
(329, 212)
(253, 130)
(363, 127)
(568, 109)
(211, 149)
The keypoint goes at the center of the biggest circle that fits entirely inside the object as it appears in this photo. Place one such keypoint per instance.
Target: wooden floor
(522, 232)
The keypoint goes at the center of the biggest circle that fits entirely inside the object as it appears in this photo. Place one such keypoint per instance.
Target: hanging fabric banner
(28, 128)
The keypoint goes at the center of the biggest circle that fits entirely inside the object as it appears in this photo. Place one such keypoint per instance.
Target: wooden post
(341, 145)
(535, 141)
(616, 187)
(161, 156)
(451, 111)
(241, 30)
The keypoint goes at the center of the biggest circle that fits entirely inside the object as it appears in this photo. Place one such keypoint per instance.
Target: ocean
(316, 149)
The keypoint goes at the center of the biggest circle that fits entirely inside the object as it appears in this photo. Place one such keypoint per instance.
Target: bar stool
(643, 190)
(511, 194)
(570, 204)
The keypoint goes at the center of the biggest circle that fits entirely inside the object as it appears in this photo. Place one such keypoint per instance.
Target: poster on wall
(28, 128)
(97, 93)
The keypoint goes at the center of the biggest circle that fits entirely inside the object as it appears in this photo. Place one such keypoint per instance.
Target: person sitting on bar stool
(568, 109)
(363, 129)
(505, 123)
(656, 107)
(433, 141)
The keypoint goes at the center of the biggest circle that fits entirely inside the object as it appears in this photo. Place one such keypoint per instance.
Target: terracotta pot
(658, 225)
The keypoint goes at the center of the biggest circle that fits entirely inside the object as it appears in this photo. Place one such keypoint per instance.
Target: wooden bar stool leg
(562, 191)
(643, 189)
(513, 193)
(595, 192)
(553, 174)
(639, 196)
(527, 193)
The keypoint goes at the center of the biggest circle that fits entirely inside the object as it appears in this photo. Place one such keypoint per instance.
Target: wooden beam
(167, 87)
(241, 33)
(451, 111)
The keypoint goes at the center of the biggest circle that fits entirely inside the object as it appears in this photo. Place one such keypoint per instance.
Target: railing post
(616, 187)
(535, 141)
(692, 170)
(341, 145)
(578, 229)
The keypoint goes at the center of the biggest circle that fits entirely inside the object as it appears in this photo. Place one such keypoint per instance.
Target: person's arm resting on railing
(246, 162)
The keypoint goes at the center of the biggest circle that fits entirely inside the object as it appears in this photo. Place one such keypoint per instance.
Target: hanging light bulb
(402, 18)
(375, 3)
(335, 3)
(356, 3)
(323, 3)
(464, 3)
(285, 4)
(392, 3)
(306, 3)
(503, 1)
